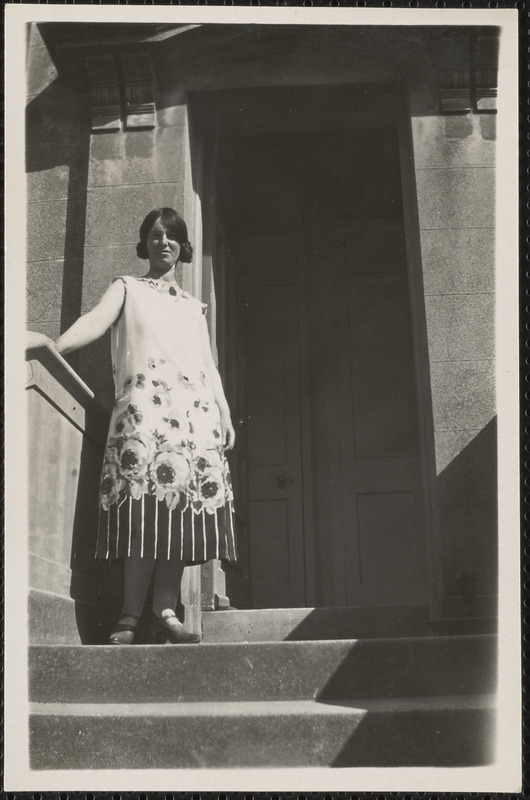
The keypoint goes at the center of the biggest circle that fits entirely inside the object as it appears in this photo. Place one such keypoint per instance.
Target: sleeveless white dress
(165, 486)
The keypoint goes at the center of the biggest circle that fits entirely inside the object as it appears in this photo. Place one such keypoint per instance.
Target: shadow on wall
(57, 155)
(96, 586)
(467, 496)
(94, 365)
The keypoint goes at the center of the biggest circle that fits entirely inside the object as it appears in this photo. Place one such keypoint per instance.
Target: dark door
(270, 315)
(327, 393)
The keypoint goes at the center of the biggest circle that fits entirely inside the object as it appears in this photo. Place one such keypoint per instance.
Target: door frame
(421, 359)
(216, 114)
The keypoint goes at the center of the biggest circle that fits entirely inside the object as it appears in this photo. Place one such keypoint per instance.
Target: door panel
(273, 422)
(269, 345)
(329, 371)
(270, 563)
(362, 481)
(381, 366)
(386, 518)
(366, 423)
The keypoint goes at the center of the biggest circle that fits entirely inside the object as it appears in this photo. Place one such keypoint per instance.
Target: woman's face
(163, 251)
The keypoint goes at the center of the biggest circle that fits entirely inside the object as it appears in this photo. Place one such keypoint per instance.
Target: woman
(165, 496)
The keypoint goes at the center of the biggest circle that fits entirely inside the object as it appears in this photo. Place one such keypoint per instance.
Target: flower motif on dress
(201, 464)
(204, 405)
(227, 480)
(211, 489)
(152, 363)
(170, 474)
(208, 484)
(112, 452)
(137, 486)
(166, 441)
(134, 457)
(185, 381)
(160, 396)
(128, 421)
(159, 439)
(172, 422)
(160, 400)
(137, 380)
(111, 486)
(161, 386)
(125, 467)
(207, 459)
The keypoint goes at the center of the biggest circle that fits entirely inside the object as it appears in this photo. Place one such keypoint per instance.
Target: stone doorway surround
(113, 109)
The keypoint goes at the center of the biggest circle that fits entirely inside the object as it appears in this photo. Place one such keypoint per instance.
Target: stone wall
(57, 135)
(455, 174)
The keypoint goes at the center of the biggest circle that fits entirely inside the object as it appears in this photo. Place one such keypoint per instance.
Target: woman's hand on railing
(34, 340)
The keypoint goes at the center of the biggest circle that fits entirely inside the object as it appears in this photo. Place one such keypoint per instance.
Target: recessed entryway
(320, 341)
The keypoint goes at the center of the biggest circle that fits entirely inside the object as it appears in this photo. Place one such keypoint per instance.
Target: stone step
(55, 619)
(430, 732)
(368, 668)
(302, 624)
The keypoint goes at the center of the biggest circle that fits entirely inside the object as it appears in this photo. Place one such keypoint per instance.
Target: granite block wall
(57, 135)
(455, 176)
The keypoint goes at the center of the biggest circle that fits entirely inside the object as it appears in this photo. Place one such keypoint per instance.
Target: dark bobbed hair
(175, 227)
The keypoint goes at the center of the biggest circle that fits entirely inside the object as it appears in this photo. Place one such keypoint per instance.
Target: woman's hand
(34, 340)
(227, 429)
(228, 432)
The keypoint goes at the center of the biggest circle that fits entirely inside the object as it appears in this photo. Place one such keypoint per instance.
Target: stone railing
(71, 595)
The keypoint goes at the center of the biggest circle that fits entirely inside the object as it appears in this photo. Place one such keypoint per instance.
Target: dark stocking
(138, 573)
(168, 575)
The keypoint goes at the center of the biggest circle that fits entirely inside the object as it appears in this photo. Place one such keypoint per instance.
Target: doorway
(319, 348)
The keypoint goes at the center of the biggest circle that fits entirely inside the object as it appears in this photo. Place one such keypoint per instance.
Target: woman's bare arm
(94, 323)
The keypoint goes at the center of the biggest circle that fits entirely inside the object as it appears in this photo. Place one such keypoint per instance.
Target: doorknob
(284, 481)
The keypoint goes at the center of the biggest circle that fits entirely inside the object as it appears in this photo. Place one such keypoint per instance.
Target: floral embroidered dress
(165, 486)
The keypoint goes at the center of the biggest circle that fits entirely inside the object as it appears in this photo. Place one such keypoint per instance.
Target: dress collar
(163, 287)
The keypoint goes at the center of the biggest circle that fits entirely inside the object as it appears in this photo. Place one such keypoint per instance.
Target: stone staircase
(298, 699)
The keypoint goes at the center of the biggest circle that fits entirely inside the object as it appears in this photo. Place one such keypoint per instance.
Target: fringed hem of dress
(147, 528)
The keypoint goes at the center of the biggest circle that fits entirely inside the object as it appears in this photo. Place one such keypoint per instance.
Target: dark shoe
(167, 628)
(123, 632)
